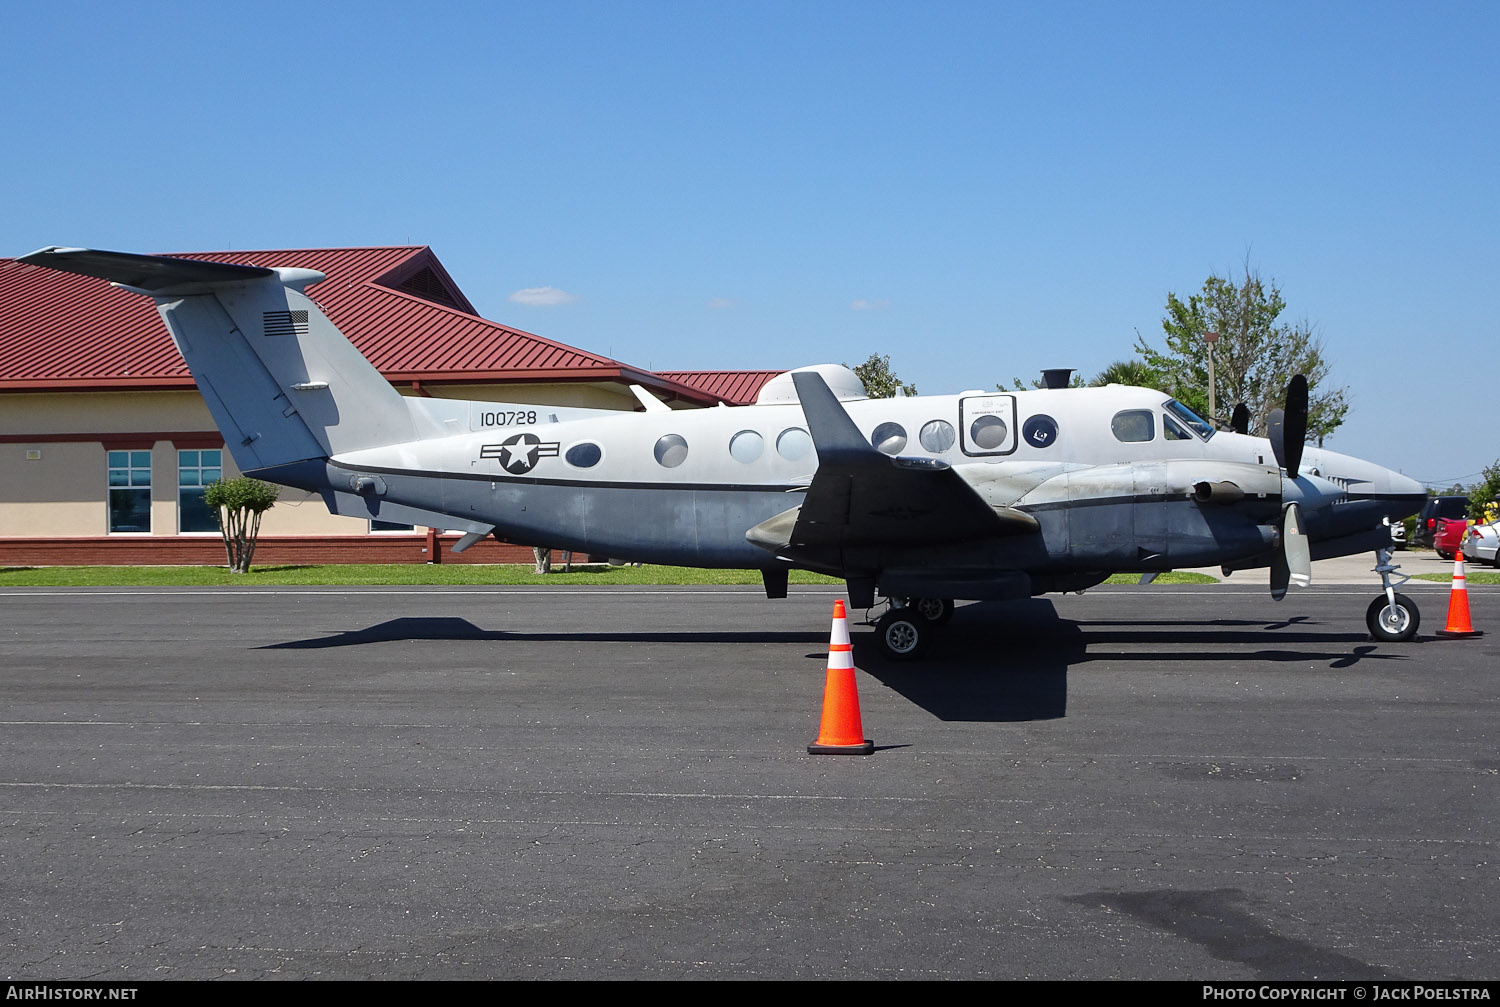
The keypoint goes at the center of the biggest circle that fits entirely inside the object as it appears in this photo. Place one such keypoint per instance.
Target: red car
(1449, 537)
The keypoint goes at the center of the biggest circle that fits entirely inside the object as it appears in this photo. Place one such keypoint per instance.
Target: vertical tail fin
(282, 383)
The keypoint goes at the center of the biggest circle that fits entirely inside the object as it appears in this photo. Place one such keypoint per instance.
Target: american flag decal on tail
(285, 323)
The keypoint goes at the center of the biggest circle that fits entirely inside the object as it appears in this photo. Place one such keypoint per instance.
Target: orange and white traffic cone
(1458, 627)
(841, 732)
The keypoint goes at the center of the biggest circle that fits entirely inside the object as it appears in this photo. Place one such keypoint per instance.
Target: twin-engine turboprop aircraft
(923, 500)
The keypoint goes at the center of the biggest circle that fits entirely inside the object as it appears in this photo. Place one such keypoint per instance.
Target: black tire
(902, 634)
(1444, 555)
(1397, 625)
(935, 610)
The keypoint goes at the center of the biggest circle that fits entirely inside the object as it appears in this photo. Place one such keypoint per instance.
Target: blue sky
(978, 190)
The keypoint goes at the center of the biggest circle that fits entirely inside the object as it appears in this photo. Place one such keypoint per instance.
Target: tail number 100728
(504, 418)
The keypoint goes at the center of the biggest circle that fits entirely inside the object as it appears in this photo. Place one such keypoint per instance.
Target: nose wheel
(1393, 621)
(1391, 617)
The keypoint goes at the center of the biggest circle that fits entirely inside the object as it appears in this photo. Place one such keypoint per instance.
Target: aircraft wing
(861, 496)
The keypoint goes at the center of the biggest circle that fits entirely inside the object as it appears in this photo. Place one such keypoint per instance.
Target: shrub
(239, 503)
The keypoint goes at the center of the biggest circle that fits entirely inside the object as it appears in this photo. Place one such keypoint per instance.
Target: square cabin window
(195, 470)
(1134, 426)
(129, 491)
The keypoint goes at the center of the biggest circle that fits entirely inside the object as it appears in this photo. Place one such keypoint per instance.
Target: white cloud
(542, 297)
(864, 305)
(721, 303)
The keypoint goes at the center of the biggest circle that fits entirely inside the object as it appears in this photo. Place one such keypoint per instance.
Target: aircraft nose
(1406, 494)
(1395, 494)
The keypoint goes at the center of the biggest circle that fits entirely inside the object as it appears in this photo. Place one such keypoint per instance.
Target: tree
(1128, 372)
(1484, 496)
(879, 380)
(238, 504)
(1017, 385)
(1254, 357)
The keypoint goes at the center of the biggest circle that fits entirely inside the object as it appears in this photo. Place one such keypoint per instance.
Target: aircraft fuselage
(683, 486)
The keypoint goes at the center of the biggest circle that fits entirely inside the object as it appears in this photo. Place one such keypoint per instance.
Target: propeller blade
(1295, 546)
(1276, 431)
(1281, 575)
(1294, 436)
(1239, 420)
(1291, 563)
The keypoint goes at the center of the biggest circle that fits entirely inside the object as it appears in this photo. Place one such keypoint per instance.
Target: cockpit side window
(1134, 426)
(1192, 420)
(1173, 431)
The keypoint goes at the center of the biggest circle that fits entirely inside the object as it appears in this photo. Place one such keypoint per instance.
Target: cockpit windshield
(1197, 423)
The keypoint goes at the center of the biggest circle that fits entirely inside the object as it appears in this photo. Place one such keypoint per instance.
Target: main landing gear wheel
(1393, 623)
(935, 610)
(903, 634)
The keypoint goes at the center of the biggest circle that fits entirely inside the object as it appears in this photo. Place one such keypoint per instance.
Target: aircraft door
(987, 424)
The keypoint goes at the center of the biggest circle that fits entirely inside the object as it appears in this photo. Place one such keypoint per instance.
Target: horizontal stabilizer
(376, 509)
(144, 272)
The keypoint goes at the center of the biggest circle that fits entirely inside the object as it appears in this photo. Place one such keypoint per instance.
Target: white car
(1480, 544)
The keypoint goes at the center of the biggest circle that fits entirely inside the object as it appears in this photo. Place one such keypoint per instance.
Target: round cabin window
(671, 451)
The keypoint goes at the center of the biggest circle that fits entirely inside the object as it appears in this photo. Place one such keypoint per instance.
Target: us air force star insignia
(519, 454)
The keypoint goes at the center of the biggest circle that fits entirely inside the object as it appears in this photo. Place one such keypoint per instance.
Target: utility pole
(1210, 338)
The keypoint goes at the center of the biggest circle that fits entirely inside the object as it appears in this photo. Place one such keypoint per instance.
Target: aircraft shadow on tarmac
(1218, 921)
(1009, 662)
(992, 662)
(451, 628)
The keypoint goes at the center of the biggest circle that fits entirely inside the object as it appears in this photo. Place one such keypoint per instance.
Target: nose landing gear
(1391, 617)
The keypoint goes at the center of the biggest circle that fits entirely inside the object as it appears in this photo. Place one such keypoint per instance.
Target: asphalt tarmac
(1141, 782)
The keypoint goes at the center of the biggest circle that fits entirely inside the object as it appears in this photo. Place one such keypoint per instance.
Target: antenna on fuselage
(1056, 377)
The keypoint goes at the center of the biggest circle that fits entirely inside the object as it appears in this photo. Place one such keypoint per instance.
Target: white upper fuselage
(1004, 444)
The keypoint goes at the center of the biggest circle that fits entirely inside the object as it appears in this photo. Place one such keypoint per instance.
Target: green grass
(417, 574)
(1470, 576)
(1171, 577)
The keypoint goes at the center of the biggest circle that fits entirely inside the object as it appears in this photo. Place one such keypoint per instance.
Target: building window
(129, 491)
(195, 470)
(377, 525)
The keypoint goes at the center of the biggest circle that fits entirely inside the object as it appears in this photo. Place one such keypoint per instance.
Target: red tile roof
(397, 305)
(737, 388)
